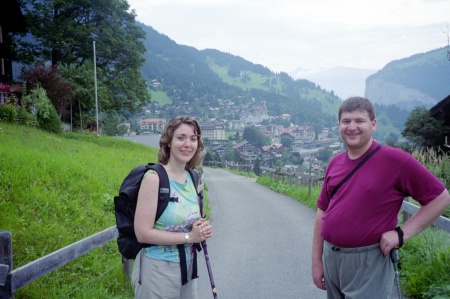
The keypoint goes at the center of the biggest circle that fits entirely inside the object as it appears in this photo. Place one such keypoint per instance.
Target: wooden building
(11, 21)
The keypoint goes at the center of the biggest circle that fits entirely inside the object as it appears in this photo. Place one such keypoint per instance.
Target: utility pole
(95, 84)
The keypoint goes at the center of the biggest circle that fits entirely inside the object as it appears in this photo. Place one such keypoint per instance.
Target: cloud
(287, 34)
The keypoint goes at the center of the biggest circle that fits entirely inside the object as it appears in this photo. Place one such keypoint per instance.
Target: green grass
(56, 190)
(425, 264)
(161, 97)
(300, 194)
(254, 80)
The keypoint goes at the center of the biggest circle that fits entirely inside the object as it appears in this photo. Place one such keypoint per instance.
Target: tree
(45, 112)
(208, 157)
(324, 154)
(64, 31)
(254, 136)
(422, 129)
(287, 143)
(82, 106)
(58, 90)
(112, 125)
(257, 167)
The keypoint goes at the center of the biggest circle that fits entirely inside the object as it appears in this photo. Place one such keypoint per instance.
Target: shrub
(46, 114)
(25, 118)
(8, 113)
(424, 264)
(49, 121)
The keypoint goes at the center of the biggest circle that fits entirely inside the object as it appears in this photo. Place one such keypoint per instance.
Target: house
(304, 132)
(246, 147)
(213, 131)
(152, 124)
(441, 111)
(11, 21)
(274, 148)
(287, 135)
(219, 148)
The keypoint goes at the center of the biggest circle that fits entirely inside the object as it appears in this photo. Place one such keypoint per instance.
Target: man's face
(356, 129)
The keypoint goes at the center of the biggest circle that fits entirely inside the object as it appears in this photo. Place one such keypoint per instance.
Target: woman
(156, 272)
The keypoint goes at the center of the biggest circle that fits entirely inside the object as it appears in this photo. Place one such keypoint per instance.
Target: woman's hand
(201, 230)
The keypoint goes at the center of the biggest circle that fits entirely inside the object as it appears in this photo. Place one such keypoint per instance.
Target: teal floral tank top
(177, 217)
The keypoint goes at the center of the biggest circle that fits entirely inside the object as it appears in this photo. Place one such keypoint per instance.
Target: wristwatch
(186, 238)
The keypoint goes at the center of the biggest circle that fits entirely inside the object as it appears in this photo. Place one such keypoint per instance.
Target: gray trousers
(161, 280)
(355, 273)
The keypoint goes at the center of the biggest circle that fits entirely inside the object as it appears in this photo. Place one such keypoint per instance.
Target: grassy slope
(56, 190)
(161, 97)
(257, 82)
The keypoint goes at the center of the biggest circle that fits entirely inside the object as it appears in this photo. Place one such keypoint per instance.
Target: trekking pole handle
(394, 255)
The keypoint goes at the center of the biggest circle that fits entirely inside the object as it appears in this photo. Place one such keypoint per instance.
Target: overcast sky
(284, 35)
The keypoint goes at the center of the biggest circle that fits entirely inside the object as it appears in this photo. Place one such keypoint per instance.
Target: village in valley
(292, 149)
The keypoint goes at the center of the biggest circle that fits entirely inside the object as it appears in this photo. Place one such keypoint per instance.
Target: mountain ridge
(203, 77)
(343, 81)
(418, 80)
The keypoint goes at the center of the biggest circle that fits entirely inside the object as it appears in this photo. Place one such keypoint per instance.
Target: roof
(153, 120)
(443, 107)
(240, 144)
(11, 17)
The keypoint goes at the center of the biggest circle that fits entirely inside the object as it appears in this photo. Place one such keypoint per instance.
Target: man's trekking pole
(208, 265)
(394, 258)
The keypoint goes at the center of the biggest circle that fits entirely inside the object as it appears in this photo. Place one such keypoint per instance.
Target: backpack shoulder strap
(164, 189)
(195, 179)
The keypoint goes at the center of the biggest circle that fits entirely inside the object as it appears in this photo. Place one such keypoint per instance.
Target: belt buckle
(335, 248)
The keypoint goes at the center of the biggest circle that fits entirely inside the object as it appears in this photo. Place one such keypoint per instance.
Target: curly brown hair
(166, 138)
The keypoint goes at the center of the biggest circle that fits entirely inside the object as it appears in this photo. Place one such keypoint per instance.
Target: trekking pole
(208, 265)
(394, 258)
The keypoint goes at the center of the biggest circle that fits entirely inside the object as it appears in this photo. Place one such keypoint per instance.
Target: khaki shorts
(355, 273)
(161, 280)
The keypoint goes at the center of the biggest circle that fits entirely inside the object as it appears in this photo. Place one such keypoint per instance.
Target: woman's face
(184, 143)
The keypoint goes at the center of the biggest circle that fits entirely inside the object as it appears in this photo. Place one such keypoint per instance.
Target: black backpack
(125, 205)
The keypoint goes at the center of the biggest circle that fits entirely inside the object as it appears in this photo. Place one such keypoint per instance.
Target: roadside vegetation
(58, 189)
(424, 260)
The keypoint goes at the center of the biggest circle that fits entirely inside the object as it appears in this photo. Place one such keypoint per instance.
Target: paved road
(261, 246)
(150, 139)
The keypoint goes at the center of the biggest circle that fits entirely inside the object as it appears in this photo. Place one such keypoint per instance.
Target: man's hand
(317, 275)
(389, 240)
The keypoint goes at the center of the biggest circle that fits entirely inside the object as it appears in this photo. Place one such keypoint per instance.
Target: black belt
(352, 249)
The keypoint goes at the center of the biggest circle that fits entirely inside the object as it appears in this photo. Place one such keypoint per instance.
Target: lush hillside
(202, 78)
(419, 80)
(56, 190)
(185, 80)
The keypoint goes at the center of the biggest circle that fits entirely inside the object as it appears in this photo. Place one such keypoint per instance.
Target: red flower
(5, 87)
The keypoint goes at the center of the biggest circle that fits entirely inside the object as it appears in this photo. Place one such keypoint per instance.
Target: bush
(46, 114)
(25, 118)
(424, 264)
(439, 164)
(49, 122)
(8, 113)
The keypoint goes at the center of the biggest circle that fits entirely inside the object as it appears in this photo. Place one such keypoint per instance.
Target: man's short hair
(357, 103)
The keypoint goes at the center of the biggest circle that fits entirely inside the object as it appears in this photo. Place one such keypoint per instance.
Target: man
(355, 229)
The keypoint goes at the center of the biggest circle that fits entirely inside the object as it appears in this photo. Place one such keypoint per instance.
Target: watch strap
(400, 236)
